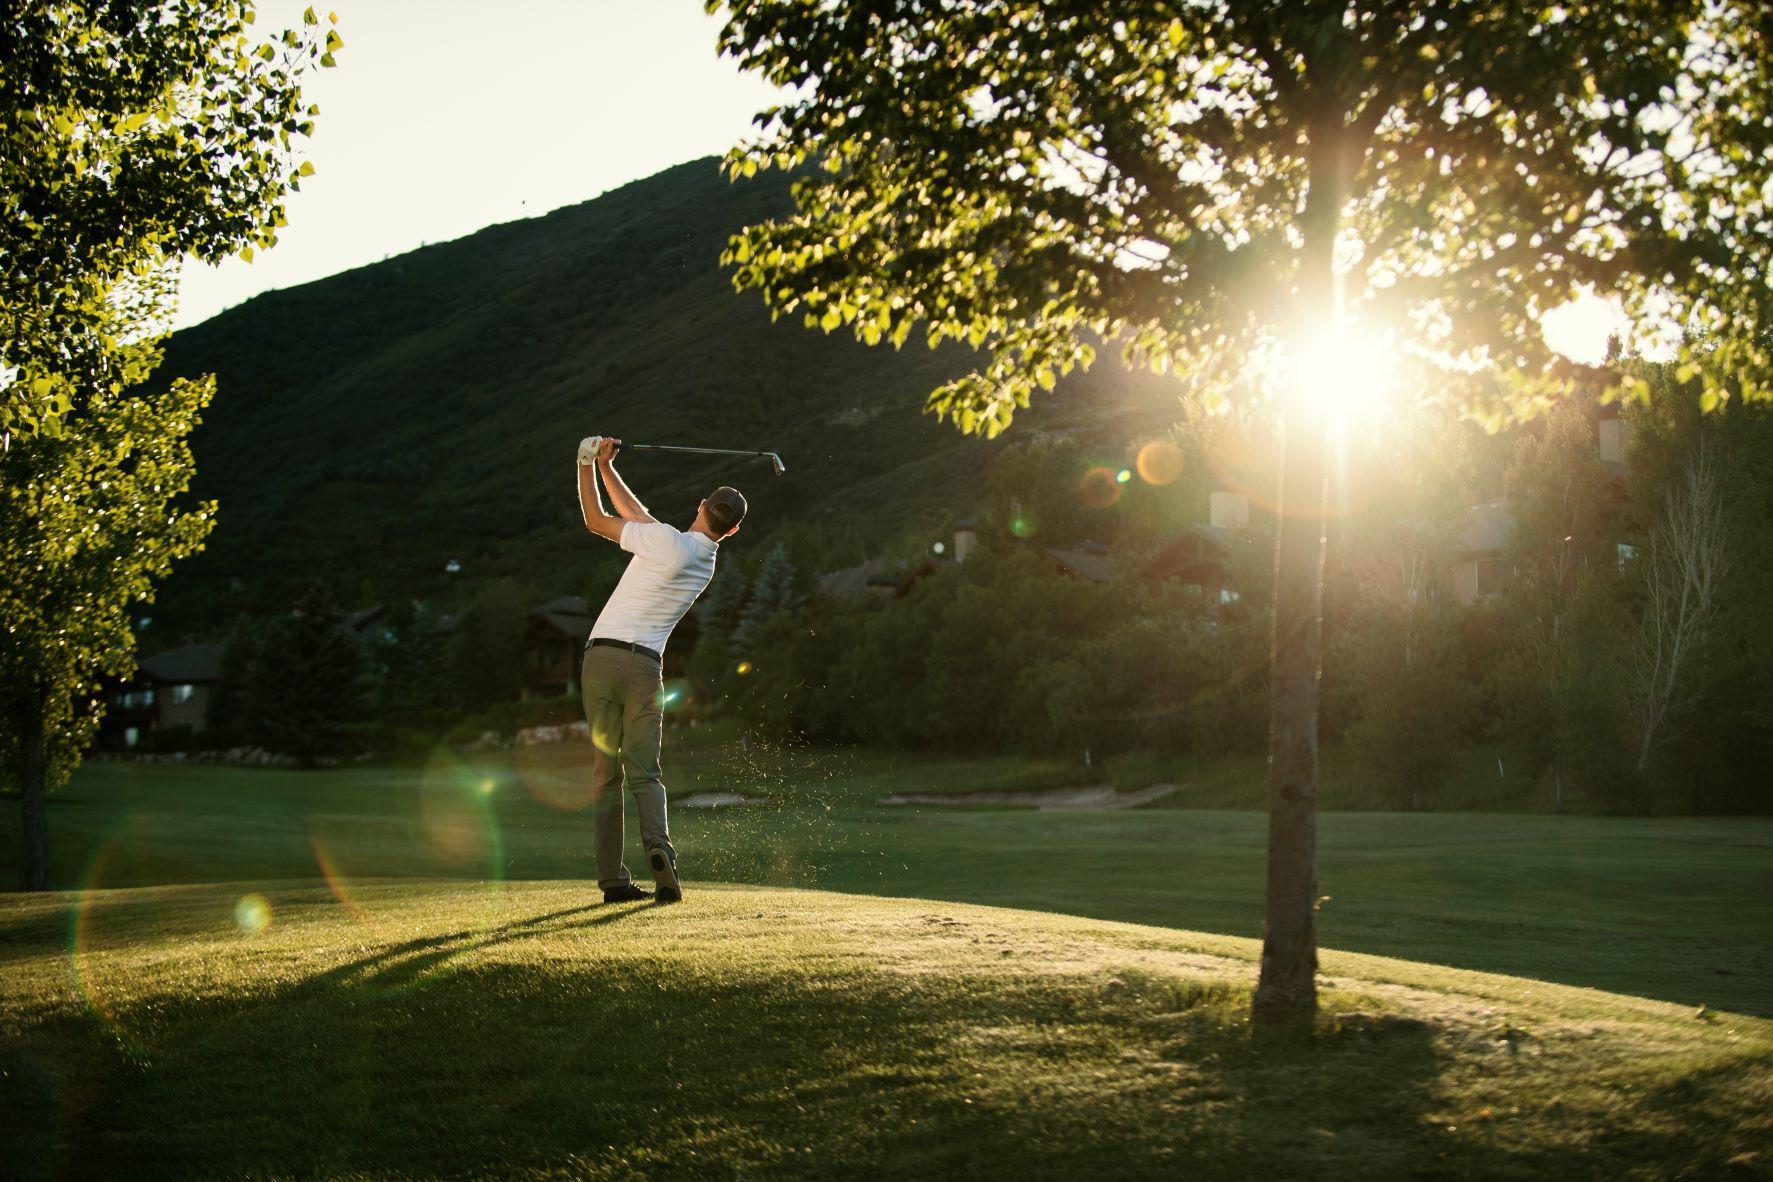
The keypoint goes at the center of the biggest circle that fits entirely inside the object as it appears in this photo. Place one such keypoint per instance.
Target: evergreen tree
(310, 681)
(486, 651)
(773, 592)
(717, 612)
(231, 706)
(418, 687)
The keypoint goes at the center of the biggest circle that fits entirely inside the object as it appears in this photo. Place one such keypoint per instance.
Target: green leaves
(1144, 172)
(86, 508)
(137, 148)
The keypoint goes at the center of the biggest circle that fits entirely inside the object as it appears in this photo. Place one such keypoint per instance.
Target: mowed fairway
(1676, 909)
(470, 1030)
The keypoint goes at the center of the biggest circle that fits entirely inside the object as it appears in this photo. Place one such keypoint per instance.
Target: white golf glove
(588, 448)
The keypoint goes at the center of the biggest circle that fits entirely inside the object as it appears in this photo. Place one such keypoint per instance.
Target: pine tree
(772, 593)
(311, 680)
(718, 611)
(419, 685)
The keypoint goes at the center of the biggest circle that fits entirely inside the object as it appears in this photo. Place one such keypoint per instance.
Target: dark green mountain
(372, 426)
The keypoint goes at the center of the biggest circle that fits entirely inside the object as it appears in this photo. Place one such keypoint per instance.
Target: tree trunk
(1286, 991)
(36, 817)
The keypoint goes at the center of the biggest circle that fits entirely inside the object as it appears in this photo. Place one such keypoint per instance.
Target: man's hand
(591, 448)
(606, 451)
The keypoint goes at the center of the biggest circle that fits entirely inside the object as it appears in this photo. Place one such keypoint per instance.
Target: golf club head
(776, 463)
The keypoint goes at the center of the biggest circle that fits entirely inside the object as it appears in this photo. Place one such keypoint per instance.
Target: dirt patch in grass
(1092, 798)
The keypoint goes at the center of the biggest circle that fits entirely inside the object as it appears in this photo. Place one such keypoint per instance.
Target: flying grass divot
(525, 1030)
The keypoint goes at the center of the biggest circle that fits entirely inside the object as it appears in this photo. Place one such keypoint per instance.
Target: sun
(1348, 372)
(1581, 328)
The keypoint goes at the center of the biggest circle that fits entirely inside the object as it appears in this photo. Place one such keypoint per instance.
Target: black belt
(633, 648)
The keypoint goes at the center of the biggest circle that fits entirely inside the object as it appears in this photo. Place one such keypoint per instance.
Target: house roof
(191, 663)
(357, 621)
(569, 615)
(856, 580)
(1193, 546)
(1487, 529)
(1087, 564)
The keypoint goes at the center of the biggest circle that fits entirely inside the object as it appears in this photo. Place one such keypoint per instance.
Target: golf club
(774, 459)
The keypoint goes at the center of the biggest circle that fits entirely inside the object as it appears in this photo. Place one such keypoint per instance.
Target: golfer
(621, 680)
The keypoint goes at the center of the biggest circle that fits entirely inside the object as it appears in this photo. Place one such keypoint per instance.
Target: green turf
(468, 1030)
(1675, 909)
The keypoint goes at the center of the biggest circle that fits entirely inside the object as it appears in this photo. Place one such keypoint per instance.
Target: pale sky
(444, 116)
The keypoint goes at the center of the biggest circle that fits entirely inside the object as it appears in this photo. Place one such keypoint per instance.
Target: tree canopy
(1196, 181)
(132, 136)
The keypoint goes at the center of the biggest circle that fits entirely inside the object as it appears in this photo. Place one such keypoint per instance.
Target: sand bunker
(715, 800)
(1097, 797)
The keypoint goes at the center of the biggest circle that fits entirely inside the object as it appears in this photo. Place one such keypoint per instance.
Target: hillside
(472, 1030)
(373, 425)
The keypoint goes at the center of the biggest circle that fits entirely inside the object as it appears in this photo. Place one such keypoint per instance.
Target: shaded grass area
(472, 1030)
(1671, 908)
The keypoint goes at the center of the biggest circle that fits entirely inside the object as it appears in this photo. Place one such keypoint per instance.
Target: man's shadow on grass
(412, 961)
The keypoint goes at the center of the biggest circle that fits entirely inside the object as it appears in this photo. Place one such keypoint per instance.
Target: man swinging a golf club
(622, 677)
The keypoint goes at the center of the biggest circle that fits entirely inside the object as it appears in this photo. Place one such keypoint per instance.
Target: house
(878, 577)
(171, 689)
(554, 638)
(887, 579)
(1476, 565)
(1086, 560)
(1195, 557)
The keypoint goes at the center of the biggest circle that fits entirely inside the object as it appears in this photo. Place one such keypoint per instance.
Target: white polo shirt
(669, 569)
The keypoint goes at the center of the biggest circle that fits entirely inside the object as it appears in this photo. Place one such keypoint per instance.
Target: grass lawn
(471, 1030)
(1673, 909)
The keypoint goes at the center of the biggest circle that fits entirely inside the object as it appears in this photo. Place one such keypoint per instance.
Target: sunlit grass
(522, 1031)
(1626, 904)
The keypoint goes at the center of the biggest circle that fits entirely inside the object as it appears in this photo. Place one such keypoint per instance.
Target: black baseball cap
(726, 508)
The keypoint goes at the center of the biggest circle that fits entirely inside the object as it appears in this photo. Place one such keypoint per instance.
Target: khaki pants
(620, 690)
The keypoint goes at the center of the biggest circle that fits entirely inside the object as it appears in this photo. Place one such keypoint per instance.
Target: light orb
(1099, 489)
(1159, 462)
(253, 912)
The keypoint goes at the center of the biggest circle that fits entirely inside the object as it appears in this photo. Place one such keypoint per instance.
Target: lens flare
(1023, 525)
(675, 696)
(333, 877)
(455, 818)
(744, 668)
(1098, 489)
(1159, 462)
(252, 913)
(1123, 476)
(93, 923)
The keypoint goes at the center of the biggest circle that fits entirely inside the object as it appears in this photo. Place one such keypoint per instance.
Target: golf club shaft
(703, 451)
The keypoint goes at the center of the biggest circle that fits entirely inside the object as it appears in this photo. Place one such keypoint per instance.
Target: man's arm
(627, 505)
(597, 520)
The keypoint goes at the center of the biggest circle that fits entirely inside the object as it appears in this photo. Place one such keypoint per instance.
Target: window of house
(139, 699)
(132, 736)
(1626, 554)
(182, 694)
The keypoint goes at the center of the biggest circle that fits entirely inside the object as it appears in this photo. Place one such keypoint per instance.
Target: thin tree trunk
(1286, 991)
(36, 817)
